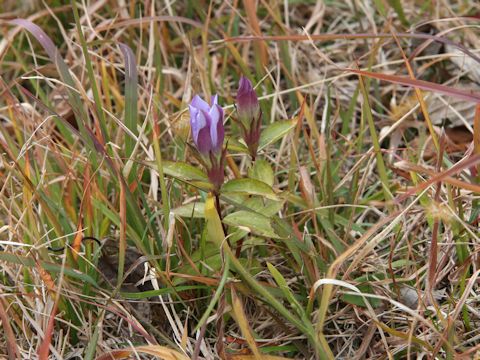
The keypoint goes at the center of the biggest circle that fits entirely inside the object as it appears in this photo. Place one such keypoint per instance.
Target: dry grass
(362, 242)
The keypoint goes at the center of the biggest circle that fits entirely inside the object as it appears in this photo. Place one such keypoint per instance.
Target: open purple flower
(207, 124)
(208, 134)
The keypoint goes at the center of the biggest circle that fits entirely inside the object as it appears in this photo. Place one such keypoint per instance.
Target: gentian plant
(208, 133)
(249, 115)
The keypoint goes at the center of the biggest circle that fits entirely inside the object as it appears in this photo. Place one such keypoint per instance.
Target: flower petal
(197, 122)
(221, 136)
(199, 103)
(245, 85)
(204, 141)
(214, 100)
(217, 131)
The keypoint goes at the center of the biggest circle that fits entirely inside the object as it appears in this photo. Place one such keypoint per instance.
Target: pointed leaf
(253, 222)
(191, 210)
(276, 131)
(282, 283)
(131, 85)
(183, 171)
(214, 224)
(250, 187)
(262, 170)
(242, 321)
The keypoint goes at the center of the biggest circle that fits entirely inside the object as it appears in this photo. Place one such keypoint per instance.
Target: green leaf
(261, 170)
(253, 222)
(131, 85)
(282, 283)
(183, 171)
(380, 7)
(191, 210)
(358, 299)
(163, 291)
(264, 206)
(234, 145)
(275, 131)
(250, 187)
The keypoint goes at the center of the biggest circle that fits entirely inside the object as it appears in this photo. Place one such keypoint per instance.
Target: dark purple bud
(249, 114)
(247, 102)
(207, 124)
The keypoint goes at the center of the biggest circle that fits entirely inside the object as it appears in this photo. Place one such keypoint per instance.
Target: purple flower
(207, 124)
(247, 101)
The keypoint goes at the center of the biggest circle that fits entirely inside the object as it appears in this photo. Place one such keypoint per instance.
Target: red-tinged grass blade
(12, 349)
(330, 37)
(421, 84)
(251, 10)
(41, 37)
(161, 352)
(406, 166)
(44, 349)
(122, 246)
(461, 165)
(131, 85)
(476, 130)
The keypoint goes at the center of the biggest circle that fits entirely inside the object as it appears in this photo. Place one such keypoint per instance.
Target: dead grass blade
(114, 24)
(418, 93)
(242, 322)
(252, 357)
(333, 270)
(331, 37)
(405, 336)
